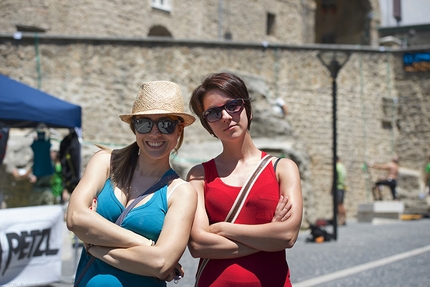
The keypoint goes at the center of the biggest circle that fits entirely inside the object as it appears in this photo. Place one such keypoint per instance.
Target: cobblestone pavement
(379, 254)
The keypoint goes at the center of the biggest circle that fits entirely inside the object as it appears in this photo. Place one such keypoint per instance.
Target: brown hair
(122, 165)
(230, 84)
(123, 162)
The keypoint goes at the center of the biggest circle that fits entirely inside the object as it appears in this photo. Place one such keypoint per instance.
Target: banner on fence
(30, 245)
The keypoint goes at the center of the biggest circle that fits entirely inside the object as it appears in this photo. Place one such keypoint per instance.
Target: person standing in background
(341, 189)
(427, 177)
(57, 177)
(70, 155)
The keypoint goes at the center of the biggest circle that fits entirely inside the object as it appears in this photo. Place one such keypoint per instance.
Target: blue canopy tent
(22, 106)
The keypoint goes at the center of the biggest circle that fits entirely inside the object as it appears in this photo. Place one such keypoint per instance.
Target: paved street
(393, 254)
(365, 254)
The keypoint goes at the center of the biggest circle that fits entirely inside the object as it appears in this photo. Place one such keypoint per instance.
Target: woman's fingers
(176, 274)
(283, 209)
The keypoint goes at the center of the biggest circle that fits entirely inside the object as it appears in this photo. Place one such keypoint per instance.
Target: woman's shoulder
(182, 187)
(102, 154)
(101, 158)
(196, 172)
(284, 164)
(179, 182)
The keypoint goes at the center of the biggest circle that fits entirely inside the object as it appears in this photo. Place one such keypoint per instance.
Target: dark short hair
(230, 84)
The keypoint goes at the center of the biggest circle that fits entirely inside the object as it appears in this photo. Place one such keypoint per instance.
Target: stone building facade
(238, 20)
(97, 53)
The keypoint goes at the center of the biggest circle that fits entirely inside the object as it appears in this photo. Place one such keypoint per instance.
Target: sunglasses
(166, 126)
(232, 107)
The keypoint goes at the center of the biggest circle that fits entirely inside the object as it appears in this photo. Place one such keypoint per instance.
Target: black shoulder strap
(276, 163)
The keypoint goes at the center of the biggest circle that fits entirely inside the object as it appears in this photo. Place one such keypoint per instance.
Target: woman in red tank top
(249, 251)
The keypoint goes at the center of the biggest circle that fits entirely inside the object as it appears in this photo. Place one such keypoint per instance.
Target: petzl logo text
(23, 246)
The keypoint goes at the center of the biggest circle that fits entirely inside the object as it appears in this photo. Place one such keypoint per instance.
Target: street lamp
(334, 61)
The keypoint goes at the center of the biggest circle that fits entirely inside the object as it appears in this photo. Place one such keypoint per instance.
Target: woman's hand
(282, 213)
(216, 228)
(94, 204)
(176, 274)
(283, 210)
(87, 247)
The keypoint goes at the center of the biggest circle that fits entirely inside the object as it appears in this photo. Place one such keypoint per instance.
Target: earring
(138, 153)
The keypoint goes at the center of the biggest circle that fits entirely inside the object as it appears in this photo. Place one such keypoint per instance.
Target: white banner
(30, 245)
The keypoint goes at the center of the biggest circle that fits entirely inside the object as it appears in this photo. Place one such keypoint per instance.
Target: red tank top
(259, 269)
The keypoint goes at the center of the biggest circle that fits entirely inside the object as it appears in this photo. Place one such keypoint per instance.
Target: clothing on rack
(42, 164)
(70, 154)
(4, 136)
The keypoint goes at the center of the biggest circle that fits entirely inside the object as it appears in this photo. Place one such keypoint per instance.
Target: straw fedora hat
(159, 98)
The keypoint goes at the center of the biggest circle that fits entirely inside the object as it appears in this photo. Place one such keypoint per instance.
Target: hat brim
(188, 119)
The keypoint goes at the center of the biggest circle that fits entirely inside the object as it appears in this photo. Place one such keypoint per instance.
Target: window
(270, 24)
(161, 4)
(228, 35)
(26, 28)
(159, 31)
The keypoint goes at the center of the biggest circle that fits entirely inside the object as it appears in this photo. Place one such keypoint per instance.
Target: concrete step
(391, 210)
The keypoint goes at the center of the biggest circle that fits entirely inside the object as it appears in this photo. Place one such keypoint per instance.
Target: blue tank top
(42, 163)
(146, 220)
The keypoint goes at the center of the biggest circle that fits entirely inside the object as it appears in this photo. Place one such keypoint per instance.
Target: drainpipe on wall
(39, 72)
(220, 20)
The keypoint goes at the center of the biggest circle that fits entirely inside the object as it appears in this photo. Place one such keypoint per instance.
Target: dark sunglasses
(165, 125)
(232, 107)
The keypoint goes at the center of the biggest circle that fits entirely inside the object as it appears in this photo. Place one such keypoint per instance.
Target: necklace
(139, 184)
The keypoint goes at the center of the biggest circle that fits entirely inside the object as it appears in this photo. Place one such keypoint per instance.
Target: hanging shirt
(4, 135)
(42, 164)
(70, 154)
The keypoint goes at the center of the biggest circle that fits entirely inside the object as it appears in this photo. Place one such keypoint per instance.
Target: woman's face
(231, 124)
(157, 135)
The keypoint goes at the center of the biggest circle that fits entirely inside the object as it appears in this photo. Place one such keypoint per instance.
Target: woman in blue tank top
(141, 250)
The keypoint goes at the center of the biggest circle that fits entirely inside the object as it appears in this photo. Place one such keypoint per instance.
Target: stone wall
(96, 54)
(103, 76)
(192, 19)
(294, 21)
